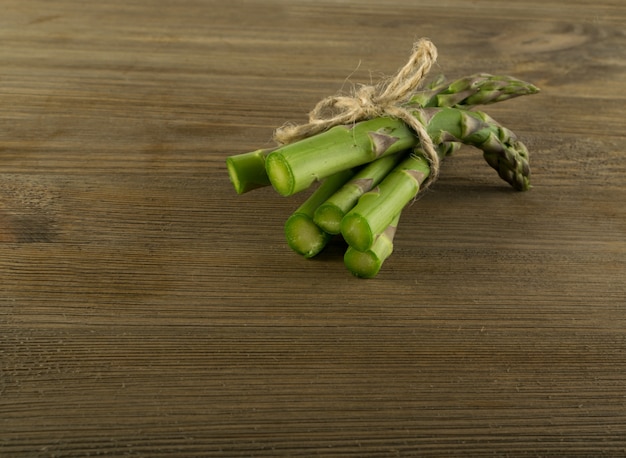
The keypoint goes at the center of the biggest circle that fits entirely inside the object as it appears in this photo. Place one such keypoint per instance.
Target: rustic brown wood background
(147, 310)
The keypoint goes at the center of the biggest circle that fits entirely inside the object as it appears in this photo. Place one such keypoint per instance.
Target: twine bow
(388, 98)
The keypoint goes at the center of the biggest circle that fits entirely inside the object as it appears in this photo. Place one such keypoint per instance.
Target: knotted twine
(387, 98)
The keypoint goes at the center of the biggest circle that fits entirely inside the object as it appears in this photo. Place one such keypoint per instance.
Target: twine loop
(387, 98)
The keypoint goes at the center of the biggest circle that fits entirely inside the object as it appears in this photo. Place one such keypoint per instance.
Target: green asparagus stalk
(328, 216)
(294, 167)
(299, 164)
(367, 264)
(478, 89)
(377, 208)
(247, 171)
(303, 235)
(501, 148)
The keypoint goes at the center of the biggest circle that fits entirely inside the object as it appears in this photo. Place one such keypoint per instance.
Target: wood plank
(147, 310)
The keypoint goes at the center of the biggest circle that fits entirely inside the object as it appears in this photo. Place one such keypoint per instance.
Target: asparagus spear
(377, 208)
(501, 148)
(477, 89)
(367, 264)
(294, 167)
(247, 171)
(328, 216)
(303, 235)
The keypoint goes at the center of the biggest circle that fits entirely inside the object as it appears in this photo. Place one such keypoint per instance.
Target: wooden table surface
(148, 310)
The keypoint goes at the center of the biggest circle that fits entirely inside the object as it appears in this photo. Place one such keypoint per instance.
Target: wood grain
(147, 310)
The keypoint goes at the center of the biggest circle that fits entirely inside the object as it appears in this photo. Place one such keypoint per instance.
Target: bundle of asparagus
(370, 169)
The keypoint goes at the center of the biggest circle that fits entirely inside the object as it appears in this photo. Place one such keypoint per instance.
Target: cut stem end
(357, 232)
(363, 264)
(280, 174)
(304, 236)
(328, 217)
